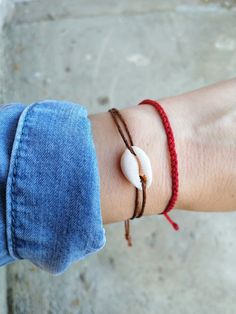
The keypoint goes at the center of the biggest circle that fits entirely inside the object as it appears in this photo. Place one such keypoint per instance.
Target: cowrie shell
(130, 169)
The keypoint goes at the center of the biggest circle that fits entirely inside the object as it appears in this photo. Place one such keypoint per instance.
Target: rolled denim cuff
(53, 189)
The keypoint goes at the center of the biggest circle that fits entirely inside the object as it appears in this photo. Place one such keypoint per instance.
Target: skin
(204, 126)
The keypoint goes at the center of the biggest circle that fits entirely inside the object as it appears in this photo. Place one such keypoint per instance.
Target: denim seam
(13, 186)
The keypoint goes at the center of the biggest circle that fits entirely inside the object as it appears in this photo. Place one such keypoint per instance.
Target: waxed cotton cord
(173, 158)
(116, 115)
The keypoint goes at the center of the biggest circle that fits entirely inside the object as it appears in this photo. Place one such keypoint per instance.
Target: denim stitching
(13, 194)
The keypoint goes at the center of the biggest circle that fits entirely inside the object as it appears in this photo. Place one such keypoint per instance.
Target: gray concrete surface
(104, 54)
(3, 289)
(5, 12)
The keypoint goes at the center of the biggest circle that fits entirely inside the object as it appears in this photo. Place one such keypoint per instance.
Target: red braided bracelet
(173, 158)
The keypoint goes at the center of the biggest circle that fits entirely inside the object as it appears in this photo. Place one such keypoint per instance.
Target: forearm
(206, 150)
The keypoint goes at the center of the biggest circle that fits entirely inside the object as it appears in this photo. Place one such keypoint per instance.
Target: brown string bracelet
(136, 165)
(116, 115)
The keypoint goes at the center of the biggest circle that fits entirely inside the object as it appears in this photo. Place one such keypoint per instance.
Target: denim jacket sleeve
(50, 209)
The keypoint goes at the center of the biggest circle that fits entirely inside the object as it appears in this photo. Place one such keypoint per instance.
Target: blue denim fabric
(50, 209)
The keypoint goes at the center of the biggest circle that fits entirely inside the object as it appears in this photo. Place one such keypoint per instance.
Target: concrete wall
(108, 53)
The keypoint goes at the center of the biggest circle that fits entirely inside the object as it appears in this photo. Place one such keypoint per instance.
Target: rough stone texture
(117, 53)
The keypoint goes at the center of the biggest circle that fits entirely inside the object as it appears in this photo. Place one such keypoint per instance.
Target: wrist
(204, 132)
(145, 125)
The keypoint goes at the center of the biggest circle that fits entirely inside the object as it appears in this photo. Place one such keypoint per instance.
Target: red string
(173, 158)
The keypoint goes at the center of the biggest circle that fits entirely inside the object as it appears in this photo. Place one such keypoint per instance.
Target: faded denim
(50, 212)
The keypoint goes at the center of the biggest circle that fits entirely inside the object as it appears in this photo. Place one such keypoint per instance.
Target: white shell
(129, 166)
